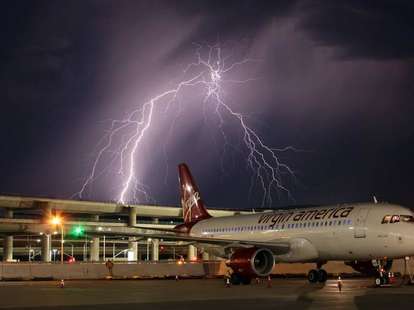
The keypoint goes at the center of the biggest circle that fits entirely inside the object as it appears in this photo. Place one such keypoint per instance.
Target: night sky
(334, 79)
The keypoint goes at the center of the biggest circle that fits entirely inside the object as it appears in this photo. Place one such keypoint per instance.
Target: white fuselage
(342, 232)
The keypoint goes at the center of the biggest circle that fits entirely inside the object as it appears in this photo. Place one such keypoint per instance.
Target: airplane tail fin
(193, 207)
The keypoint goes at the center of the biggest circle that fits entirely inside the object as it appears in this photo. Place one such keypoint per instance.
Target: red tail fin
(193, 206)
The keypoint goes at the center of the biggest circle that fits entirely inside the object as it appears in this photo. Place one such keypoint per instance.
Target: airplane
(367, 236)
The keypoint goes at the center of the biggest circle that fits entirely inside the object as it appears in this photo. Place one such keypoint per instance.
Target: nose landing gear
(383, 276)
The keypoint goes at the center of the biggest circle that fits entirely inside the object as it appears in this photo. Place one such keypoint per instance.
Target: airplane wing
(278, 247)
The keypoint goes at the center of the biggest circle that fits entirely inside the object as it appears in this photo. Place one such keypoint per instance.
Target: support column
(192, 252)
(46, 255)
(8, 241)
(132, 217)
(132, 249)
(8, 214)
(94, 246)
(8, 248)
(46, 237)
(94, 255)
(155, 249)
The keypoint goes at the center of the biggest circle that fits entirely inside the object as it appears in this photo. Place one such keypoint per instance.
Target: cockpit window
(407, 218)
(386, 219)
(395, 219)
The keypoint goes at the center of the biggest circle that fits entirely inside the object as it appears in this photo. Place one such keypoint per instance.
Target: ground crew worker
(339, 283)
(110, 265)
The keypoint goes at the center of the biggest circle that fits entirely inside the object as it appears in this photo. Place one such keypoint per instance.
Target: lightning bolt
(211, 74)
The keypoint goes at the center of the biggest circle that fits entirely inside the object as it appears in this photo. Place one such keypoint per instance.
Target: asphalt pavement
(202, 294)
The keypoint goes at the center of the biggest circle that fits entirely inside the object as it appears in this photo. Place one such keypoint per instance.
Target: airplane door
(359, 225)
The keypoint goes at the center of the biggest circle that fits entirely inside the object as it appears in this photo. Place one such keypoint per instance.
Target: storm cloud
(334, 79)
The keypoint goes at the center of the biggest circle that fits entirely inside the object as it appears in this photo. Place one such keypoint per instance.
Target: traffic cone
(62, 283)
(269, 282)
(227, 282)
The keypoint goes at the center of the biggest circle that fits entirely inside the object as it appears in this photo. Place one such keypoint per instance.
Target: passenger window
(395, 219)
(386, 219)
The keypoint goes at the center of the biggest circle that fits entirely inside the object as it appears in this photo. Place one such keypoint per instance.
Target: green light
(78, 231)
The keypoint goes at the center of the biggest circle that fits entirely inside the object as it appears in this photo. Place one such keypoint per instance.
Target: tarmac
(202, 294)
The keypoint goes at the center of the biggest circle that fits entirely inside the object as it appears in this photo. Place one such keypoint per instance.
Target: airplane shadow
(304, 294)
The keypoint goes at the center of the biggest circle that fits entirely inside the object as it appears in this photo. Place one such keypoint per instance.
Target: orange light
(56, 220)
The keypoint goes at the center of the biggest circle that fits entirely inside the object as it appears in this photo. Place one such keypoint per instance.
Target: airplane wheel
(313, 276)
(380, 281)
(322, 276)
(235, 279)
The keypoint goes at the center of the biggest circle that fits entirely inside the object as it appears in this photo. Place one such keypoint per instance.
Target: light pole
(104, 248)
(56, 220)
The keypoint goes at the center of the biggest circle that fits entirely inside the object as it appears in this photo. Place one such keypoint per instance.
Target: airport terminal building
(37, 229)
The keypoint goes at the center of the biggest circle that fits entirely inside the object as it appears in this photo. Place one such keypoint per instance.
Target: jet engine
(370, 268)
(252, 262)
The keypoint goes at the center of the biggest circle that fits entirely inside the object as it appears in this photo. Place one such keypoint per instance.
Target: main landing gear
(318, 275)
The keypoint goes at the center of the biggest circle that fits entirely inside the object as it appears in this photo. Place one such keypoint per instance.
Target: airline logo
(305, 215)
(189, 202)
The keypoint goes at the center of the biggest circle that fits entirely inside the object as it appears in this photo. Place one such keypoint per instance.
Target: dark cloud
(68, 67)
(379, 29)
(235, 19)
